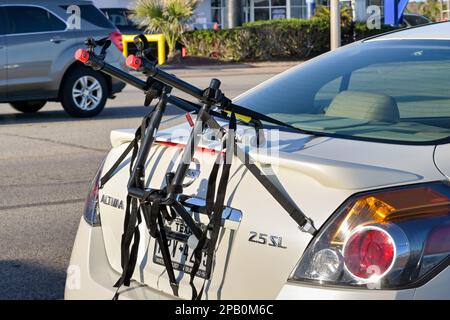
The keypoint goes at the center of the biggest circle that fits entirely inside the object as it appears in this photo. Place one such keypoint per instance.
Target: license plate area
(181, 255)
(178, 233)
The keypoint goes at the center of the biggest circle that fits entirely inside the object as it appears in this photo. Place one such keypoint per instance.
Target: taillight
(91, 208)
(438, 241)
(116, 38)
(391, 238)
(368, 247)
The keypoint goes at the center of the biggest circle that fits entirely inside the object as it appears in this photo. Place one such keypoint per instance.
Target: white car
(368, 161)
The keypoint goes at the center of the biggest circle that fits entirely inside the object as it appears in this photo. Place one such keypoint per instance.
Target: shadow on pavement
(61, 116)
(27, 280)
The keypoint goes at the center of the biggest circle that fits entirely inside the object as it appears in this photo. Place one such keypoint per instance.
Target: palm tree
(168, 17)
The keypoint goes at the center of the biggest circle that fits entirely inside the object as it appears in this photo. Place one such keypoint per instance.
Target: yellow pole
(161, 49)
(158, 38)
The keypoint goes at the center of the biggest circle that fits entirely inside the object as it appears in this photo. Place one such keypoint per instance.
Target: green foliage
(323, 12)
(273, 39)
(165, 16)
(431, 9)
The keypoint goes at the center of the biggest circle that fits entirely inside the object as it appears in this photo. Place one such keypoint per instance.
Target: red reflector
(438, 241)
(82, 55)
(182, 146)
(116, 38)
(134, 62)
(189, 119)
(369, 252)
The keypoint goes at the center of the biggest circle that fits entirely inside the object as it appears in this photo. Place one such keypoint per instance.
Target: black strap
(288, 205)
(153, 213)
(214, 208)
(131, 232)
(134, 248)
(258, 116)
(132, 146)
(108, 175)
(163, 244)
(186, 216)
(212, 187)
(132, 218)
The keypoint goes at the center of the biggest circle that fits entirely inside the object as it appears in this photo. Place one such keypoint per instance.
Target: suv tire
(84, 93)
(28, 106)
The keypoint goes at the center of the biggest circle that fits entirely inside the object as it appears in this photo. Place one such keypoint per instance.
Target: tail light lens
(386, 239)
(116, 38)
(368, 247)
(91, 208)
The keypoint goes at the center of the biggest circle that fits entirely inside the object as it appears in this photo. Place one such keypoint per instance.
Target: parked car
(363, 149)
(37, 45)
(119, 12)
(120, 17)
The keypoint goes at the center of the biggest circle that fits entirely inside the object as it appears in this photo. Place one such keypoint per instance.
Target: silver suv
(38, 40)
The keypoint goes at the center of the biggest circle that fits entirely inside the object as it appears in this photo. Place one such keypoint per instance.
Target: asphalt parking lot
(46, 163)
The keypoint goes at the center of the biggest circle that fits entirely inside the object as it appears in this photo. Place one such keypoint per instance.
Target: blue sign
(393, 11)
(310, 8)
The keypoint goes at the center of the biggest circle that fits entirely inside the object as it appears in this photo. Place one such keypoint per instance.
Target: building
(210, 11)
(228, 13)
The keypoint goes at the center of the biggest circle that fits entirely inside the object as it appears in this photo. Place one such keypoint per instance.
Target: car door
(3, 60)
(35, 38)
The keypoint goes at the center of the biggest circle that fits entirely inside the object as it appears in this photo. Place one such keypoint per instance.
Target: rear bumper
(89, 275)
(437, 288)
(293, 291)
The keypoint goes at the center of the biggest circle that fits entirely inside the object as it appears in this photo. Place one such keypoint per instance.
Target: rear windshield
(393, 91)
(94, 16)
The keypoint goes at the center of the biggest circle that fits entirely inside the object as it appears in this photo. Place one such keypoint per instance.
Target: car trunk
(259, 244)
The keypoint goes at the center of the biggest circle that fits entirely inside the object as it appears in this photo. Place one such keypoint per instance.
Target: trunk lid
(260, 244)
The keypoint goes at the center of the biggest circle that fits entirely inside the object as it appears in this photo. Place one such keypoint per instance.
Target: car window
(396, 90)
(94, 16)
(430, 98)
(327, 93)
(2, 22)
(24, 19)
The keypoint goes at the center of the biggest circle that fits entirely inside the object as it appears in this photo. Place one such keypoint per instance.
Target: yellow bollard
(159, 38)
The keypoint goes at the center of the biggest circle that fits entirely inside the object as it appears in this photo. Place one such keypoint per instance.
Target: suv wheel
(28, 106)
(84, 93)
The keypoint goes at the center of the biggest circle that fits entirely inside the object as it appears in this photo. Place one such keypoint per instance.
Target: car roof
(432, 31)
(114, 4)
(45, 2)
